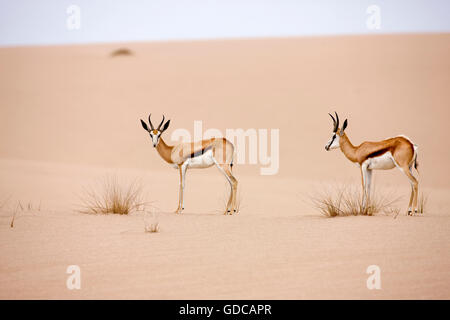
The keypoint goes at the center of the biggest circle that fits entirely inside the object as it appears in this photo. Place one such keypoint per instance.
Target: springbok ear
(344, 127)
(144, 125)
(165, 126)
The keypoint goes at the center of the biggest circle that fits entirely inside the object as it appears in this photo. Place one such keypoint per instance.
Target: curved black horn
(334, 120)
(162, 121)
(150, 121)
(334, 123)
(337, 122)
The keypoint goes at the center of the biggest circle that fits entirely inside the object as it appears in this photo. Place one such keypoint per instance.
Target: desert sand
(69, 115)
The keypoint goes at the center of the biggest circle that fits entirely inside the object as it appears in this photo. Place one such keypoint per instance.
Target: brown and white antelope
(200, 154)
(398, 152)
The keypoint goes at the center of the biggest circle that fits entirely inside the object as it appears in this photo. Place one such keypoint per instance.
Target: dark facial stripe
(334, 137)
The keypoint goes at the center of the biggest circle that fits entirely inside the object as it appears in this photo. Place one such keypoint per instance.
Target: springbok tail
(231, 163)
(232, 160)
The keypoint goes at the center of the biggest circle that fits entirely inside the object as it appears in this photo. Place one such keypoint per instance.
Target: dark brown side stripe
(200, 152)
(378, 153)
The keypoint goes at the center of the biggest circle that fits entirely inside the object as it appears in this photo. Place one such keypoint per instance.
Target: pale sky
(42, 22)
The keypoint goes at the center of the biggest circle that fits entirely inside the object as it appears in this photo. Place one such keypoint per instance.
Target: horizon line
(206, 39)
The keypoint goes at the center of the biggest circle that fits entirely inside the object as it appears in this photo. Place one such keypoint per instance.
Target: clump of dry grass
(112, 197)
(23, 208)
(28, 206)
(347, 200)
(121, 52)
(151, 224)
(13, 218)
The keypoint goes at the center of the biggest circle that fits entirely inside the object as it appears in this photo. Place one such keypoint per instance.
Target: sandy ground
(69, 116)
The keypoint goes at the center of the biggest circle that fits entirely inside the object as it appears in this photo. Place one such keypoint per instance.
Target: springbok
(398, 152)
(201, 154)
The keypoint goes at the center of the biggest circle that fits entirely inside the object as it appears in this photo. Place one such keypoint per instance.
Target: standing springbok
(398, 152)
(201, 154)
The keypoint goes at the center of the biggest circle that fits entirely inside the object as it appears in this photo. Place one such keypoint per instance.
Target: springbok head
(337, 133)
(155, 134)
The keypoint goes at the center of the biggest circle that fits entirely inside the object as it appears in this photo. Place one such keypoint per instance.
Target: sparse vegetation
(28, 207)
(121, 52)
(14, 217)
(111, 197)
(345, 200)
(21, 208)
(151, 224)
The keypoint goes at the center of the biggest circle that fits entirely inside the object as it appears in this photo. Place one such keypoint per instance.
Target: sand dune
(70, 114)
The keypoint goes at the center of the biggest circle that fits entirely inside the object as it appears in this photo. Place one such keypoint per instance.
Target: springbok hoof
(179, 210)
(409, 213)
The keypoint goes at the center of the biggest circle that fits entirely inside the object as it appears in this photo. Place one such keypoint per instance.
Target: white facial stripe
(334, 142)
(332, 139)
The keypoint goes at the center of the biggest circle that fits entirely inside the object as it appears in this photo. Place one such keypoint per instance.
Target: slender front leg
(182, 170)
(368, 184)
(363, 183)
(183, 179)
(366, 174)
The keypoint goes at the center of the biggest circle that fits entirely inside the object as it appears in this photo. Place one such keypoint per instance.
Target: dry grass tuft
(29, 206)
(113, 198)
(345, 200)
(151, 223)
(14, 216)
(152, 228)
(121, 52)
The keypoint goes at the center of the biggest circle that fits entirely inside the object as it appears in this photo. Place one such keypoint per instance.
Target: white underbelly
(204, 160)
(383, 162)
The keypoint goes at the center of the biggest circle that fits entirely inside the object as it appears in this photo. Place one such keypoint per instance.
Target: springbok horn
(334, 120)
(334, 123)
(150, 121)
(159, 127)
(337, 122)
